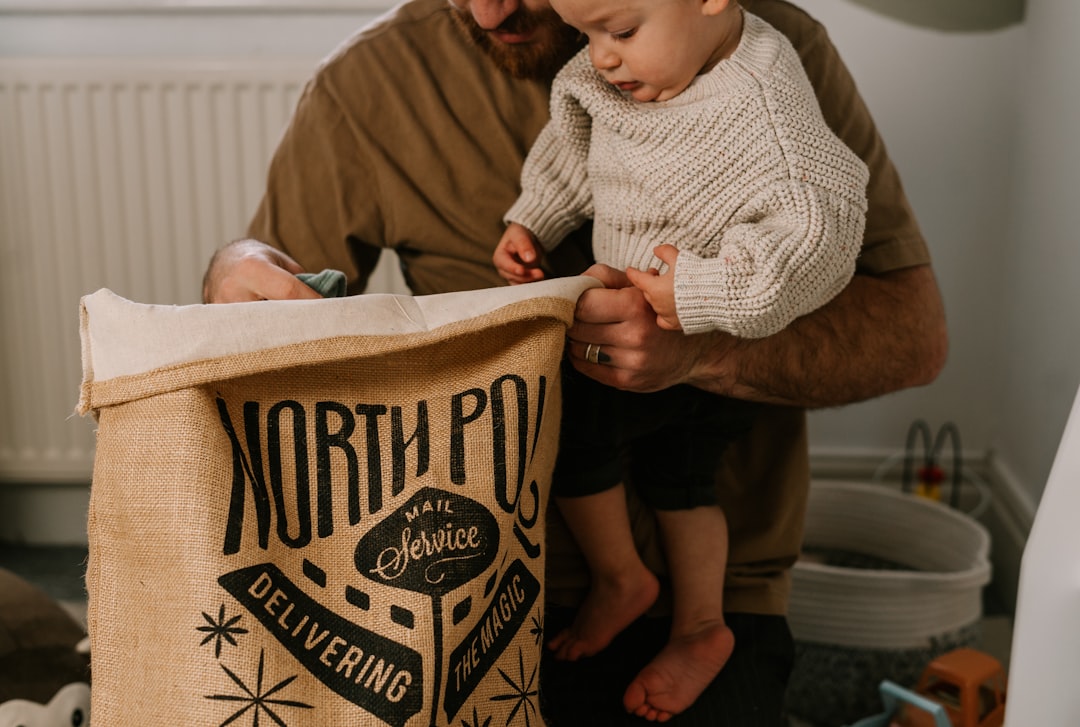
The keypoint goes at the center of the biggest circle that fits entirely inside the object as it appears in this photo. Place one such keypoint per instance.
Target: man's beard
(538, 60)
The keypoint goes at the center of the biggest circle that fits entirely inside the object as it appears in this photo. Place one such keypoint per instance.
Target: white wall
(1039, 345)
(180, 28)
(945, 106)
(983, 127)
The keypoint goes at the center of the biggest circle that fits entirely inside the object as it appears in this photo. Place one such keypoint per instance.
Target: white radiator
(126, 174)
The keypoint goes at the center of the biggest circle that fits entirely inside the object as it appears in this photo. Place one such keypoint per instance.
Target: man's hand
(635, 353)
(517, 256)
(247, 270)
(881, 334)
(659, 290)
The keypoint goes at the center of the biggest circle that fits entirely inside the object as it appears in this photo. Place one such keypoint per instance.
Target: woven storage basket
(890, 581)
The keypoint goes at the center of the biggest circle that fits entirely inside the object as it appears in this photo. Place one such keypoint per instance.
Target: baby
(689, 132)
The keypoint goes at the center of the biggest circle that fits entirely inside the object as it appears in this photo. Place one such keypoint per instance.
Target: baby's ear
(715, 7)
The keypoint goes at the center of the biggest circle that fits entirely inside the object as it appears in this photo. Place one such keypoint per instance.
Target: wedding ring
(592, 353)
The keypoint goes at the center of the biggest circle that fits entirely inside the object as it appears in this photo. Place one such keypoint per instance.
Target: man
(412, 136)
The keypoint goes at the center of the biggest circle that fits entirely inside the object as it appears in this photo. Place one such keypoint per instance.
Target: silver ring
(592, 353)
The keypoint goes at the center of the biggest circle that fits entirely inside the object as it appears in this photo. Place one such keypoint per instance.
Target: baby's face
(649, 49)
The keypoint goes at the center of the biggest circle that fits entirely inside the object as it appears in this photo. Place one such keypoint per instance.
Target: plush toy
(70, 706)
(44, 664)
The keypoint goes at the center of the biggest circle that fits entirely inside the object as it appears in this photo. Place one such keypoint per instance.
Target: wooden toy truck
(962, 688)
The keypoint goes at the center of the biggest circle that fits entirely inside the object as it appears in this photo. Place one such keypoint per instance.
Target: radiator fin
(120, 173)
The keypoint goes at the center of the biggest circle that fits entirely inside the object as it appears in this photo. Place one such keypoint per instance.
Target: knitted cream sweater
(739, 172)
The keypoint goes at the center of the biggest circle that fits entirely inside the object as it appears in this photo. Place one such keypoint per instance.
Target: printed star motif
(522, 692)
(476, 721)
(537, 629)
(220, 630)
(258, 699)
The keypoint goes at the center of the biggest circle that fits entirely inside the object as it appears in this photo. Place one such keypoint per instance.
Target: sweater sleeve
(789, 252)
(556, 197)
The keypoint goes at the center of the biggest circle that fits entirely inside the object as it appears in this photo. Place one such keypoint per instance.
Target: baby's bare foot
(610, 606)
(680, 672)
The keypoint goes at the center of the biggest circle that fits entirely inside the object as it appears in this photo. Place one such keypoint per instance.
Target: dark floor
(58, 570)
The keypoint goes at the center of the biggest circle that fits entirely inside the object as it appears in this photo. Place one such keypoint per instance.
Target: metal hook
(919, 426)
(949, 429)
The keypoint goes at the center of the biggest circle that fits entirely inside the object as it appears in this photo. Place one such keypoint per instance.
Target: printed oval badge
(434, 543)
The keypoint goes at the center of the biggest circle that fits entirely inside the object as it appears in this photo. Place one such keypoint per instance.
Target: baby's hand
(517, 257)
(659, 290)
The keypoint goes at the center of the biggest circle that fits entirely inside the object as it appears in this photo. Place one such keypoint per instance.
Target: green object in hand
(328, 283)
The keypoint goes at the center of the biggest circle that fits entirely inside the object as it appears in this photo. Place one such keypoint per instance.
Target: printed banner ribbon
(366, 668)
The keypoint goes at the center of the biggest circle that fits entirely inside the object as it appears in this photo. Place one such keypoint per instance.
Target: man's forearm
(881, 334)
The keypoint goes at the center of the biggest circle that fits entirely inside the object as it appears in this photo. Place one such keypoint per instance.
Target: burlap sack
(323, 512)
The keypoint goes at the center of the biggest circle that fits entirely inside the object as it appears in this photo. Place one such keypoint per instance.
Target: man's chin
(539, 52)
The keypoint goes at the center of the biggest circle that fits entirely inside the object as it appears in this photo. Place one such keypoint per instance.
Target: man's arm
(882, 333)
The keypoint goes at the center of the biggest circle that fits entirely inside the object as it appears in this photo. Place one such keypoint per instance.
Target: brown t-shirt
(408, 137)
